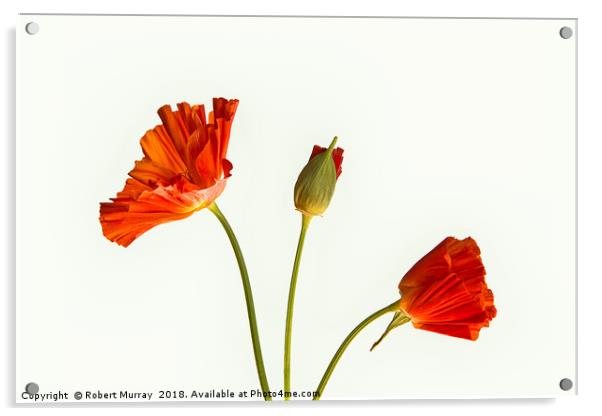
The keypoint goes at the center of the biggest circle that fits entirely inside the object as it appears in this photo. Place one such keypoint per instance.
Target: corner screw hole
(566, 32)
(566, 384)
(32, 28)
(32, 388)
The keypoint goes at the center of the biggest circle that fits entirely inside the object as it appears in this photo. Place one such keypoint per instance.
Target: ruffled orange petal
(175, 127)
(451, 255)
(207, 163)
(446, 307)
(123, 227)
(152, 174)
(160, 149)
(445, 291)
(127, 217)
(224, 110)
(470, 332)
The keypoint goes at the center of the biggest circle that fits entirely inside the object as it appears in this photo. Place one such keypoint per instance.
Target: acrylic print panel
(450, 127)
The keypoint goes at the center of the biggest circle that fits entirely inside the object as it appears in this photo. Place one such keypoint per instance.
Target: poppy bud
(316, 182)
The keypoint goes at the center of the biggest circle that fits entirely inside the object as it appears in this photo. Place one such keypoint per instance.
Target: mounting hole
(32, 28)
(566, 32)
(566, 384)
(32, 388)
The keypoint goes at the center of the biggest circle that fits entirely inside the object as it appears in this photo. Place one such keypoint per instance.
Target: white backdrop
(450, 127)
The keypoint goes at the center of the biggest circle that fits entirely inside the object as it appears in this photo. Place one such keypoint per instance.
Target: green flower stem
(263, 380)
(305, 220)
(337, 355)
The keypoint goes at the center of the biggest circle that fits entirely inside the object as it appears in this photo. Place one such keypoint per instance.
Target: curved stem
(305, 220)
(337, 355)
(246, 284)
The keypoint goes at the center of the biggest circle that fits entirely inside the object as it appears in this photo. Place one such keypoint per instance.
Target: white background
(588, 345)
(451, 127)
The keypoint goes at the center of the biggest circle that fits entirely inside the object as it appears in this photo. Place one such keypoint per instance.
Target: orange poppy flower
(184, 169)
(445, 291)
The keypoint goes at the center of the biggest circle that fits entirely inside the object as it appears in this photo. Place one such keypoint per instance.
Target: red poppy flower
(445, 291)
(184, 169)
